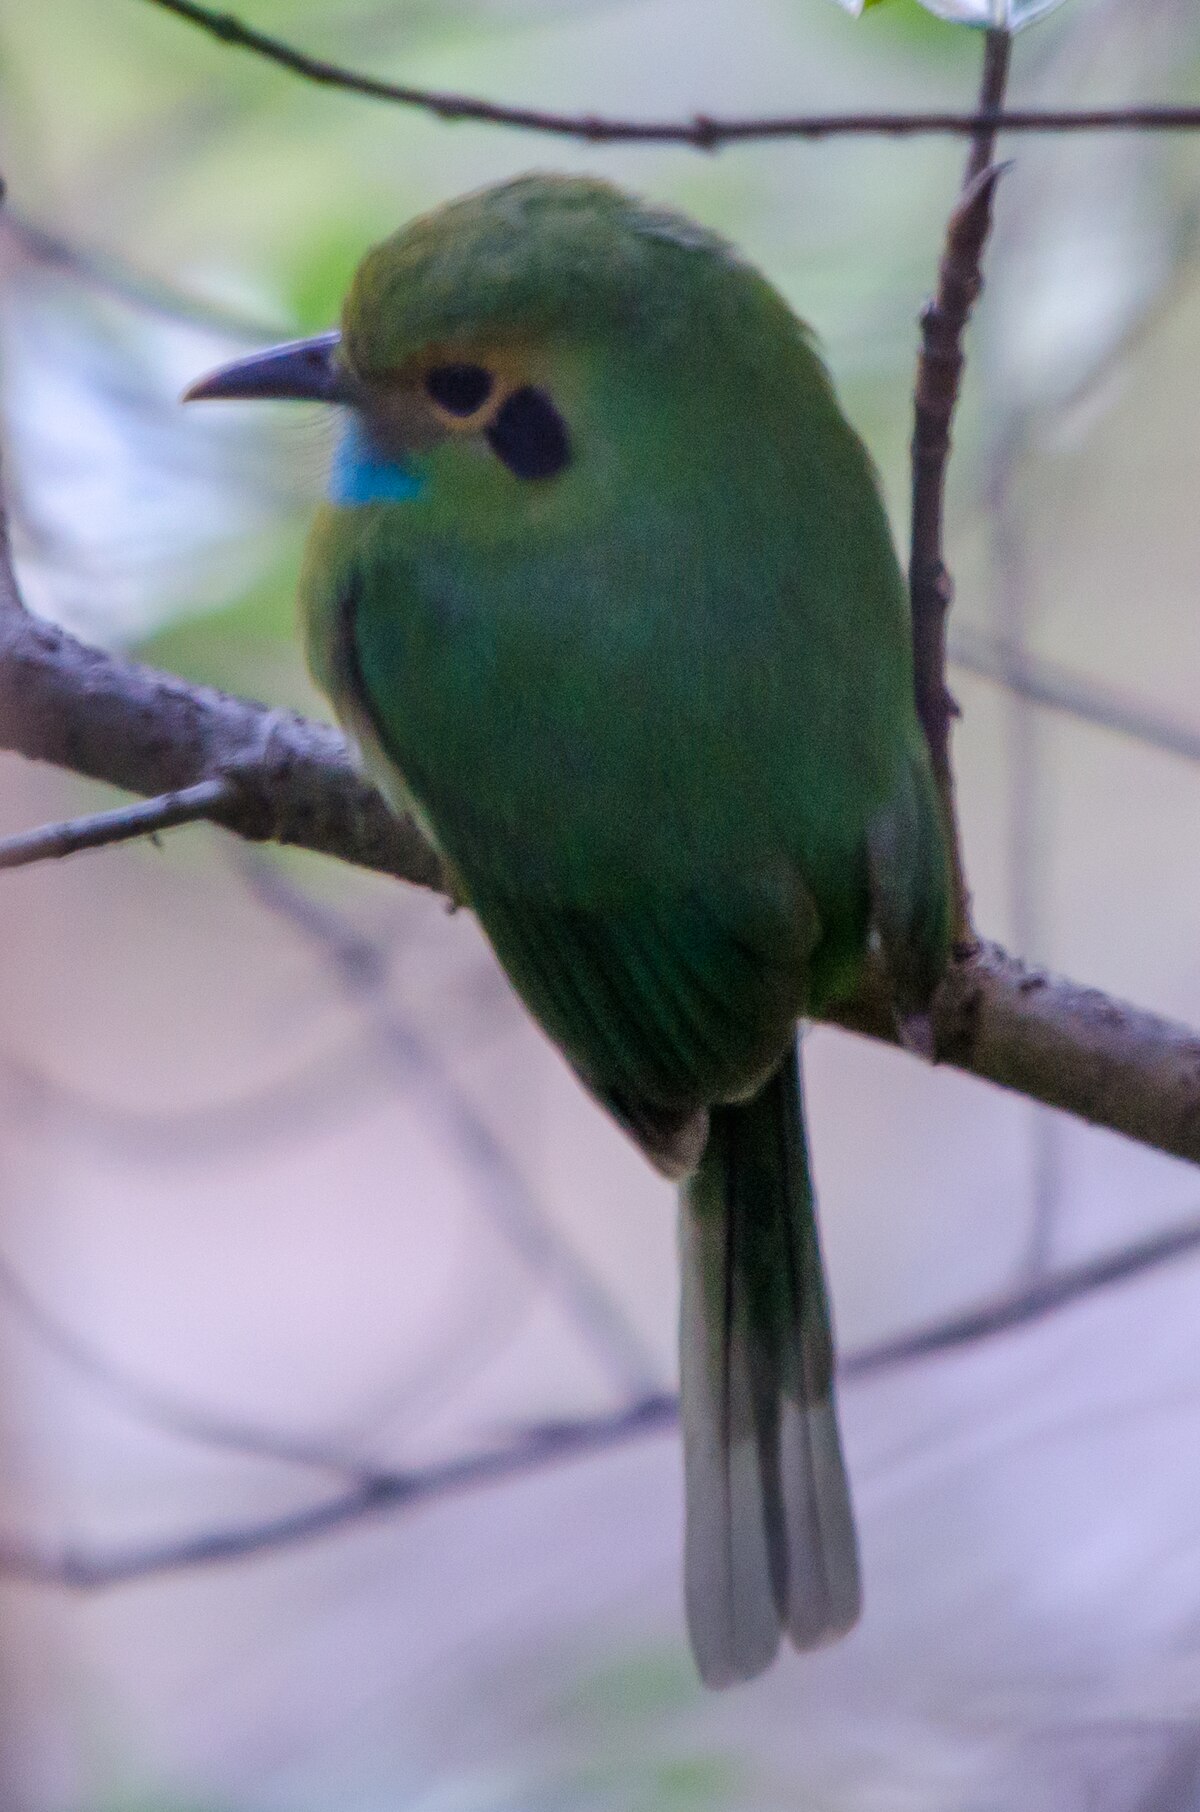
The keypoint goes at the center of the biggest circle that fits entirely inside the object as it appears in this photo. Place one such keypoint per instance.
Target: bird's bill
(307, 371)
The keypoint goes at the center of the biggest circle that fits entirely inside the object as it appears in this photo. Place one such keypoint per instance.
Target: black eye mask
(530, 436)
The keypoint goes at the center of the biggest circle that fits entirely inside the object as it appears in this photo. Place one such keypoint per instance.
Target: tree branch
(1041, 1298)
(1059, 688)
(110, 719)
(702, 132)
(530, 1450)
(294, 781)
(935, 398)
(96, 714)
(207, 799)
(546, 1444)
(1049, 1039)
(504, 1193)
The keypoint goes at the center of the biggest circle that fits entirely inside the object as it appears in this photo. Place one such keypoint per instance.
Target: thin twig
(111, 719)
(1041, 1298)
(206, 799)
(1060, 688)
(109, 275)
(703, 132)
(935, 397)
(531, 1450)
(547, 1444)
(509, 1203)
(975, 651)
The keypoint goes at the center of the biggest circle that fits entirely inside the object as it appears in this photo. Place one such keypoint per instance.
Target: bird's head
(549, 336)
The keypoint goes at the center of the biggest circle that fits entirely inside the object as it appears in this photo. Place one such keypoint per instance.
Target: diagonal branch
(702, 132)
(295, 782)
(1070, 1047)
(1041, 682)
(107, 718)
(515, 1213)
(1062, 689)
(531, 1450)
(207, 799)
(1040, 1299)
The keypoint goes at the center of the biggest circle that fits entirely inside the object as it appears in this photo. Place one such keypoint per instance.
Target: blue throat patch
(361, 474)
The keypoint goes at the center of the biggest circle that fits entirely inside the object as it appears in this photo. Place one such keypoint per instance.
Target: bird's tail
(770, 1532)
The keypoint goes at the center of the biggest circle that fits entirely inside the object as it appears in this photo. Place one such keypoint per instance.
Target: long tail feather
(770, 1532)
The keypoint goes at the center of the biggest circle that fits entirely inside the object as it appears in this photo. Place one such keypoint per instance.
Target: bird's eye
(530, 436)
(459, 389)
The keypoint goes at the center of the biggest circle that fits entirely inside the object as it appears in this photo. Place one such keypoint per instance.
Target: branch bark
(1053, 1041)
(702, 132)
(530, 1450)
(935, 398)
(295, 782)
(267, 774)
(289, 780)
(206, 799)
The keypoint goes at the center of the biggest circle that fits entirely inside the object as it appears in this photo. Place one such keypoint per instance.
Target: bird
(604, 591)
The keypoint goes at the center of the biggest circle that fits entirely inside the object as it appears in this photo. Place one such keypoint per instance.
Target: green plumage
(770, 1532)
(656, 710)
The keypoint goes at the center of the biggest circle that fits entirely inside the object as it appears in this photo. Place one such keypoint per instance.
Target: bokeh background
(288, 1183)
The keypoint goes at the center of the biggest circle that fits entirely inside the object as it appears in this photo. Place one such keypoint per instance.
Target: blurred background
(290, 1187)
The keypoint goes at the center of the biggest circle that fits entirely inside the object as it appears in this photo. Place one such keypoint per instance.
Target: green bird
(605, 592)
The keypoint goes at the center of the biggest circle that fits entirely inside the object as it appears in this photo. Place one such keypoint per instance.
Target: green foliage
(635, 1715)
(250, 644)
(319, 272)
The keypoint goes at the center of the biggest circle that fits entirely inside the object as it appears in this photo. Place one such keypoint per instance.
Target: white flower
(1006, 15)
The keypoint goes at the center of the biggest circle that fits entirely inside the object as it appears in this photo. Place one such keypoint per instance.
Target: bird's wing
(663, 1007)
(646, 910)
(909, 886)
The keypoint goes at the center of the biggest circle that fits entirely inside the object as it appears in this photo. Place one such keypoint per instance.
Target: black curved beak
(307, 371)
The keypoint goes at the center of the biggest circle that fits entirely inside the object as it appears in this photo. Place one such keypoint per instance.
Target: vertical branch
(935, 396)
